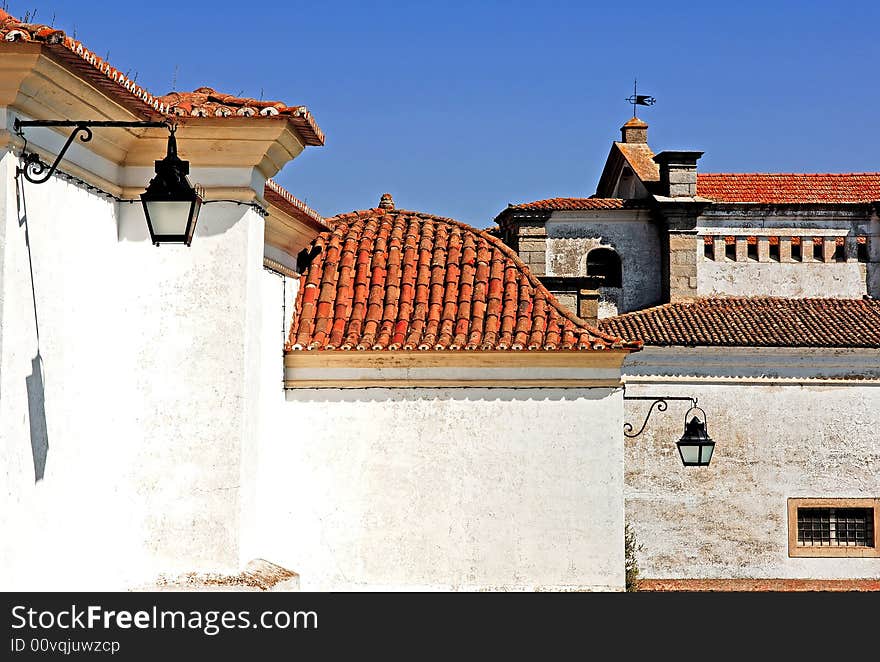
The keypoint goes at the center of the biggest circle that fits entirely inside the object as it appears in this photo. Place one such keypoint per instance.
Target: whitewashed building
(426, 428)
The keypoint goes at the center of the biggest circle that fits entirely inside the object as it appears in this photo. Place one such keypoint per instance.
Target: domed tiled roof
(388, 279)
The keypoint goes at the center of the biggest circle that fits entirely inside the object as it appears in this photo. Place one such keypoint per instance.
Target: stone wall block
(763, 249)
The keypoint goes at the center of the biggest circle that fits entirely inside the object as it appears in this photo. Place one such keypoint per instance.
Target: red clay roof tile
(573, 204)
(286, 201)
(391, 279)
(781, 188)
(202, 102)
(641, 160)
(754, 322)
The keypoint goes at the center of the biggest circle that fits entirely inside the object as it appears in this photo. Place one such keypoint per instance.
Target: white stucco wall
(846, 280)
(782, 429)
(571, 235)
(143, 394)
(457, 488)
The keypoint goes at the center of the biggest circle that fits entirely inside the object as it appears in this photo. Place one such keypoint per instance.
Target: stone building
(657, 231)
(755, 294)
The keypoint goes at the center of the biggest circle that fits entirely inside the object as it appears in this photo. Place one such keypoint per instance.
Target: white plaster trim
(458, 374)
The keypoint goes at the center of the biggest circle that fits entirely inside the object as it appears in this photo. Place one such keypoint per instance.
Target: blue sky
(459, 108)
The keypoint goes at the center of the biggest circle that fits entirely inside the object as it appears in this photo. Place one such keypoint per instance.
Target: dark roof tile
(753, 322)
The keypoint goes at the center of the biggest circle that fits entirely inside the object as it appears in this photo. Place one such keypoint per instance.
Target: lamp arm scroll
(33, 169)
(661, 404)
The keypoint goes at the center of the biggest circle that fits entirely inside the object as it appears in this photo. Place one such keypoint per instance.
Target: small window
(709, 247)
(752, 248)
(605, 262)
(862, 249)
(833, 527)
(773, 246)
(817, 249)
(730, 248)
(840, 249)
(796, 249)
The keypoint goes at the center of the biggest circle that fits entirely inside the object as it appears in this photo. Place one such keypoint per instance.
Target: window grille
(835, 527)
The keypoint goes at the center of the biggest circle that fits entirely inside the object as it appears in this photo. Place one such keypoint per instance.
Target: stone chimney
(387, 202)
(678, 173)
(634, 131)
(588, 306)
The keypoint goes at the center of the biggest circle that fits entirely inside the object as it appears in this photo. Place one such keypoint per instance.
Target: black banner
(174, 625)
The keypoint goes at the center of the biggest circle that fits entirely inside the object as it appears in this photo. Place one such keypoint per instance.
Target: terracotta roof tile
(754, 322)
(200, 103)
(207, 102)
(282, 198)
(391, 279)
(566, 204)
(779, 188)
(641, 160)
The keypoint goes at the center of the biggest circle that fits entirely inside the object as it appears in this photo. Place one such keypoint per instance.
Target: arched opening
(605, 262)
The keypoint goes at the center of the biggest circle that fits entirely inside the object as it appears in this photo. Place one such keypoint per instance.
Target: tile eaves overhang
(754, 322)
(75, 57)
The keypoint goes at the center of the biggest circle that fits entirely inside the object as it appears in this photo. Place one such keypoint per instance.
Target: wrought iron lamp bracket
(37, 172)
(660, 403)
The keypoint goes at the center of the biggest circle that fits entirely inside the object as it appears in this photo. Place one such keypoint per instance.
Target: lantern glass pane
(689, 454)
(707, 453)
(196, 208)
(169, 218)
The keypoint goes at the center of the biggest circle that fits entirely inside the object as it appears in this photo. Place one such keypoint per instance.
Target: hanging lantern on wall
(695, 445)
(171, 203)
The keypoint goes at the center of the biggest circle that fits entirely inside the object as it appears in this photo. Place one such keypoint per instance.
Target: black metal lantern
(695, 445)
(171, 203)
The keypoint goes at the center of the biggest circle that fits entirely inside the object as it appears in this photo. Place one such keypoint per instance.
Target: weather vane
(640, 99)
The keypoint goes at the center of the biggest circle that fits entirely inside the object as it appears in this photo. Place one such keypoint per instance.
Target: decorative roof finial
(387, 202)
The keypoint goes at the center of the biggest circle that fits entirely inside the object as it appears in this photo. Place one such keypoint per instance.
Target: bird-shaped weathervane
(640, 99)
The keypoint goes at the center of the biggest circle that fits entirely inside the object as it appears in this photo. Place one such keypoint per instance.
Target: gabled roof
(641, 159)
(754, 322)
(111, 81)
(389, 279)
(638, 156)
(782, 188)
